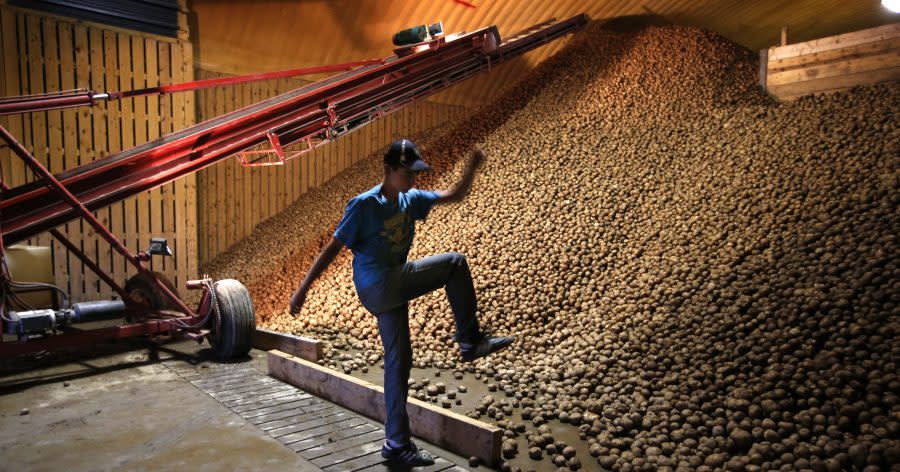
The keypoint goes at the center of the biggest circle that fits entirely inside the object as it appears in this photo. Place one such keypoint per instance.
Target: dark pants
(389, 302)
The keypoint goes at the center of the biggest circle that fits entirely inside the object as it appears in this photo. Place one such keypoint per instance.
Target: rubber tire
(151, 293)
(238, 320)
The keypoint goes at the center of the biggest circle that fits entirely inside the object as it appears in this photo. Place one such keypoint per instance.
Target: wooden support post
(784, 35)
(304, 348)
(183, 29)
(763, 67)
(452, 431)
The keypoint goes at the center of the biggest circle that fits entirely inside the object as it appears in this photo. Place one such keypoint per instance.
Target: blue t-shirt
(380, 232)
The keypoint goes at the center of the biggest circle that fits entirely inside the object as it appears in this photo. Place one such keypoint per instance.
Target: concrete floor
(122, 409)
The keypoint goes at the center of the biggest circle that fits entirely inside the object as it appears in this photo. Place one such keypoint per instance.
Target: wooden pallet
(831, 64)
(330, 437)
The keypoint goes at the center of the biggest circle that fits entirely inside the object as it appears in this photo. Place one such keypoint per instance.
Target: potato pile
(699, 278)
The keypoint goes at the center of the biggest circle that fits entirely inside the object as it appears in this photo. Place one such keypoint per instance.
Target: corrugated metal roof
(253, 36)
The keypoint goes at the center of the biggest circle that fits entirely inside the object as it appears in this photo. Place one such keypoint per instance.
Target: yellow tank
(32, 264)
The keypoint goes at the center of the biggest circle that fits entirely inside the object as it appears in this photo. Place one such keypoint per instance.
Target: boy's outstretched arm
(329, 252)
(461, 189)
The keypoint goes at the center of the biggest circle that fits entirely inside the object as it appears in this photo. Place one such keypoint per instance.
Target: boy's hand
(297, 300)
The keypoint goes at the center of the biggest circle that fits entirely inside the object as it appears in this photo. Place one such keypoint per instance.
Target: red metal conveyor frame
(307, 116)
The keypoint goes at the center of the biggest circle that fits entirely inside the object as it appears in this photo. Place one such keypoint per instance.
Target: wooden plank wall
(831, 64)
(44, 53)
(233, 199)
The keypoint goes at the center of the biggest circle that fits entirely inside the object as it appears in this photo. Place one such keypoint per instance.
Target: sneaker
(409, 455)
(485, 346)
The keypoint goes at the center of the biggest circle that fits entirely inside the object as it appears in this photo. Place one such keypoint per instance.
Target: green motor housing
(413, 35)
(418, 34)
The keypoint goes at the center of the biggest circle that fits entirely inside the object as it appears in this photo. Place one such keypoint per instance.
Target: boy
(378, 226)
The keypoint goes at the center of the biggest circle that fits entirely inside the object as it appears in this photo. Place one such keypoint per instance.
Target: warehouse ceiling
(244, 36)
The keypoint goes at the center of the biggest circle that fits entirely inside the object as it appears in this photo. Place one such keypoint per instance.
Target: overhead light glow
(892, 5)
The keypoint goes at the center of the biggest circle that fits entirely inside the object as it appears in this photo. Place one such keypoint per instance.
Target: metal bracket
(277, 149)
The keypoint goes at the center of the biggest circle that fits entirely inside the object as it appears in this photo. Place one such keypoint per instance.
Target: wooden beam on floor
(832, 64)
(452, 431)
(304, 348)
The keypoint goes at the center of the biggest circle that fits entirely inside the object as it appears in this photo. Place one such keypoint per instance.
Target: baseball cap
(404, 152)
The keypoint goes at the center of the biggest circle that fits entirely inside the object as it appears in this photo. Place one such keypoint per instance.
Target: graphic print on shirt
(396, 230)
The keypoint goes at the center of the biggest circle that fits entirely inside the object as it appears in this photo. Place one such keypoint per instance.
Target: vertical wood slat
(321, 160)
(311, 170)
(13, 171)
(321, 165)
(260, 202)
(324, 164)
(154, 211)
(309, 163)
(85, 148)
(289, 168)
(248, 176)
(115, 212)
(208, 177)
(347, 151)
(141, 135)
(304, 173)
(352, 148)
(280, 175)
(227, 236)
(40, 146)
(165, 127)
(179, 211)
(270, 183)
(6, 50)
(129, 206)
(204, 179)
(335, 157)
(37, 138)
(295, 181)
(234, 223)
(23, 87)
(190, 212)
(56, 161)
(224, 176)
(365, 142)
(202, 176)
(344, 145)
(219, 206)
(93, 244)
(255, 172)
(237, 192)
(374, 134)
(67, 53)
(332, 159)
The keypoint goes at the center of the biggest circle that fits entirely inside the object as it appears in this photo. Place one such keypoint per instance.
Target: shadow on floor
(27, 371)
